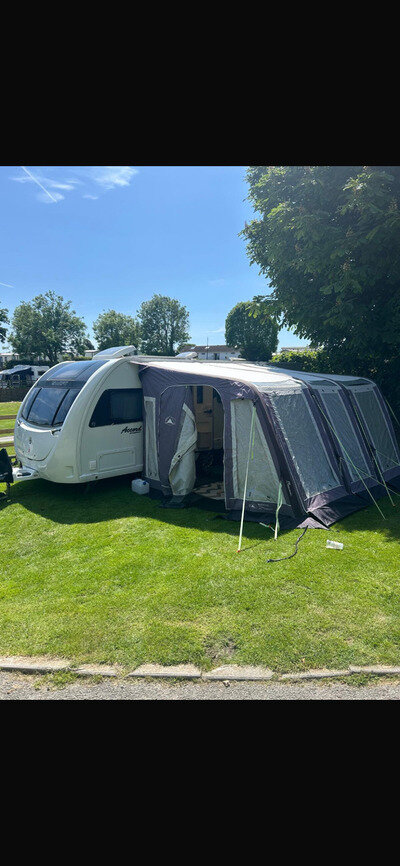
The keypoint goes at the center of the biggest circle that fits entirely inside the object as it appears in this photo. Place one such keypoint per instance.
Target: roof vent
(117, 352)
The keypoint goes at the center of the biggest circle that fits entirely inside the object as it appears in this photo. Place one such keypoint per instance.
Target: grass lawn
(9, 408)
(109, 576)
(6, 425)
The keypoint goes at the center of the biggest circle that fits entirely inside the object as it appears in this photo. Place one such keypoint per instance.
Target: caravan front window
(65, 406)
(44, 408)
(51, 398)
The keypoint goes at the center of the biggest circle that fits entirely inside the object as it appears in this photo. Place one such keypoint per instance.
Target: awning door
(182, 473)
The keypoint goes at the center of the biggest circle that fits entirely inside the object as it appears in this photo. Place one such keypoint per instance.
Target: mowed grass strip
(109, 576)
(10, 408)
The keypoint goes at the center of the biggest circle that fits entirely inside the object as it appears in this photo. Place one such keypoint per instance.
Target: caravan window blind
(118, 406)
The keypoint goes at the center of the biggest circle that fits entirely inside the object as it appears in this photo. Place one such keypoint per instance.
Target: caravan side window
(118, 406)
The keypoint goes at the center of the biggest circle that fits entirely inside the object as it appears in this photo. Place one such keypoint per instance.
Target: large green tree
(257, 338)
(328, 240)
(115, 329)
(164, 325)
(3, 321)
(47, 327)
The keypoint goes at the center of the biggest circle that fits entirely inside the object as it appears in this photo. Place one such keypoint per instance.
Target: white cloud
(219, 282)
(110, 176)
(99, 178)
(54, 184)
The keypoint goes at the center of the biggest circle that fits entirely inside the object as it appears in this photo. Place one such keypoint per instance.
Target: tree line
(48, 327)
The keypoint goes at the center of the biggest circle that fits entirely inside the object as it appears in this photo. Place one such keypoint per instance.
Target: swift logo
(131, 430)
(170, 420)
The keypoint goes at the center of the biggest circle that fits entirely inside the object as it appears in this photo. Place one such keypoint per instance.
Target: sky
(112, 236)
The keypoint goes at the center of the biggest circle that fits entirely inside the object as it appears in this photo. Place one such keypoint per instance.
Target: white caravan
(82, 420)
(21, 374)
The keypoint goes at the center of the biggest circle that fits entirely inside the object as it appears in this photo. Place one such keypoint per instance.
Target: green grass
(108, 576)
(9, 408)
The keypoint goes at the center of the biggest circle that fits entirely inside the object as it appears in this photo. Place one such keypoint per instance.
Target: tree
(257, 338)
(46, 326)
(115, 329)
(164, 324)
(328, 239)
(3, 321)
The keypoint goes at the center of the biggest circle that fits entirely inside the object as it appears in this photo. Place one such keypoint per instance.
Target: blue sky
(111, 236)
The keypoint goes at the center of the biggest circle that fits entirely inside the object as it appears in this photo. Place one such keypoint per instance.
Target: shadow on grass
(112, 499)
(369, 519)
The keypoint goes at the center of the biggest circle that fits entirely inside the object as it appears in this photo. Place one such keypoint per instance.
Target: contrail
(38, 183)
(7, 285)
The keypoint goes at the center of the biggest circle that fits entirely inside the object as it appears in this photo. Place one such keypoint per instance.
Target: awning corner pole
(247, 475)
(278, 508)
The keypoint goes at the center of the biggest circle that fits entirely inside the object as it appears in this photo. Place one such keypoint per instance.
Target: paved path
(21, 687)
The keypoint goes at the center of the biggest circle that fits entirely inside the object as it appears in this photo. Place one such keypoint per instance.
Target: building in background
(6, 357)
(293, 349)
(213, 353)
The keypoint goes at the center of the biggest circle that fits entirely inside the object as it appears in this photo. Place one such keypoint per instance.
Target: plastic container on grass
(335, 545)
(139, 486)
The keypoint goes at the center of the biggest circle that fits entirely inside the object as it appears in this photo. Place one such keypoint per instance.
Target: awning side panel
(263, 480)
(305, 444)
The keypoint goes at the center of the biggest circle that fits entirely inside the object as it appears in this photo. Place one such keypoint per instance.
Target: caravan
(22, 374)
(320, 445)
(82, 421)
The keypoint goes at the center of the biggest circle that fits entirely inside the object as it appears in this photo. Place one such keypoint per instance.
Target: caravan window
(65, 406)
(28, 403)
(45, 406)
(48, 407)
(118, 406)
(48, 403)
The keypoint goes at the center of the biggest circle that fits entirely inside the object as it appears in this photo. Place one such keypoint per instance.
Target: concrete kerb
(224, 673)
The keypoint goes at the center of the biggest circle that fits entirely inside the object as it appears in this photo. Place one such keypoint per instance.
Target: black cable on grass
(282, 558)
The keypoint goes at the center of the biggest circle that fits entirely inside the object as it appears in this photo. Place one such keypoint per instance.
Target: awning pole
(278, 508)
(247, 475)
